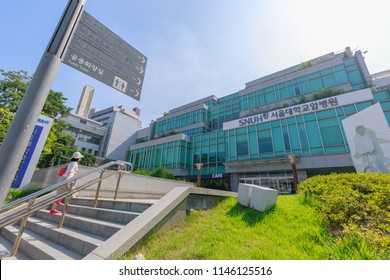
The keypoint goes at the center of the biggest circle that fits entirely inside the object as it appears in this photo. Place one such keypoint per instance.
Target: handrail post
(119, 175)
(21, 229)
(43, 199)
(65, 208)
(98, 188)
(67, 200)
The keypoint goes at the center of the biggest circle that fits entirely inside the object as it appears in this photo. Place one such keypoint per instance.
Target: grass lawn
(290, 231)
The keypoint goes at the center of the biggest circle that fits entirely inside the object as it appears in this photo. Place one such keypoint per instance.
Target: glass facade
(177, 122)
(171, 155)
(285, 132)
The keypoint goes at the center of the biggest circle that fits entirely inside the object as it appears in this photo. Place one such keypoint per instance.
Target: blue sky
(197, 48)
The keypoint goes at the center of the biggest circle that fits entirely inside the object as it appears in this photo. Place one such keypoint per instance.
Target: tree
(54, 106)
(58, 135)
(62, 154)
(12, 88)
(5, 121)
(59, 145)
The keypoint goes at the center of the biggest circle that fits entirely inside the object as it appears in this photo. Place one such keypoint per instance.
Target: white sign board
(309, 107)
(32, 153)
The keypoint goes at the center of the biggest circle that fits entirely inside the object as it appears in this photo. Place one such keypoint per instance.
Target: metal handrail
(19, 210)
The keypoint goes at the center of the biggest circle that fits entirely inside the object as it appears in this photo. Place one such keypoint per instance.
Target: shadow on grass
(249, 215)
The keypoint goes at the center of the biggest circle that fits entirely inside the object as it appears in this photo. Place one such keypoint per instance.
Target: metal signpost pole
(20, 131)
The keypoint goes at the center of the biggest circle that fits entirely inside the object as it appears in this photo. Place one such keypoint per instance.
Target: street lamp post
(198, 167)
(293, 160)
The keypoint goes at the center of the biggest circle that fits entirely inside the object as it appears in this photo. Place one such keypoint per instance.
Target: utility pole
(21, 129)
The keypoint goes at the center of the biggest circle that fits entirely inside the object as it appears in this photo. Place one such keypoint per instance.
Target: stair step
(85, 228)
(5, 251)
(132, 205)
(38, 247)
(95, 226)
(119, 216)
(76, 240)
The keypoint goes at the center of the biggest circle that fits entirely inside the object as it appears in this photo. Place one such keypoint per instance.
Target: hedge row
(353, 205)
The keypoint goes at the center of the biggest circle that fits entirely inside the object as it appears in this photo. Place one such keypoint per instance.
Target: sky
(198, 48)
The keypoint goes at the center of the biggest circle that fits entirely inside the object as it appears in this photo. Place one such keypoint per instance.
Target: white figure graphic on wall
(368, 148)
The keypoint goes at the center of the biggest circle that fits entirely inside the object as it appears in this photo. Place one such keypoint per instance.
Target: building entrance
(283, 184)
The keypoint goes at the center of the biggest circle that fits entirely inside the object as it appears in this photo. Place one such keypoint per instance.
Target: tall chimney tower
(85, 101)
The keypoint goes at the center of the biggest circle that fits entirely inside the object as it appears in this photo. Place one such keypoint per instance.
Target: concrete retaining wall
(165, 212)
(131, 185)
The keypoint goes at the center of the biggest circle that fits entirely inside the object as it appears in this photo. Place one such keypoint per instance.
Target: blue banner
(27, 157)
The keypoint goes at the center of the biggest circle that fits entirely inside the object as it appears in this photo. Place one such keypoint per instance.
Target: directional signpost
(22, 127)
(87, 45)
(98, 52)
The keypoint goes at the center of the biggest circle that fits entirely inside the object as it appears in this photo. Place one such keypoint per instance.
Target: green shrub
(353, 205)
(14, 194)
(305, 65)
(326, 92)
(161, 172)
(140, 171)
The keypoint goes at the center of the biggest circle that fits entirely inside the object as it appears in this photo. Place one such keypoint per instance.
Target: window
(314, 137)
(349, 109)
(253, 146)
(89, 139)
(303, 136)
(242, 145)
(270, 96)
(330, 132)
(297, 89)
(293, 132)
(316, 84)
(329, 80)
(213, 153)
(283, 91)
(380, 96)
(265, 142)
(277, 138)
(286, 139)
(221, 153)
(261, 99)
(102, 119)
(363, 105)
(355, 77)
(303, 85)
(342, 77)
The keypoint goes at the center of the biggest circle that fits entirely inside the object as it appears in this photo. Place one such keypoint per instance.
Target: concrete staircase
(85, 228)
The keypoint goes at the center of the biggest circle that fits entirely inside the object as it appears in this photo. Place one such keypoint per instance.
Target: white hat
(77, 155)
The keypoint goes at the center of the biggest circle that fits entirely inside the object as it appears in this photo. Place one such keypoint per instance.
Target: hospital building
(286, 126)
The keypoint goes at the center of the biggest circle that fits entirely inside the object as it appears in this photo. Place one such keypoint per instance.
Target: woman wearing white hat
(71, 170)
